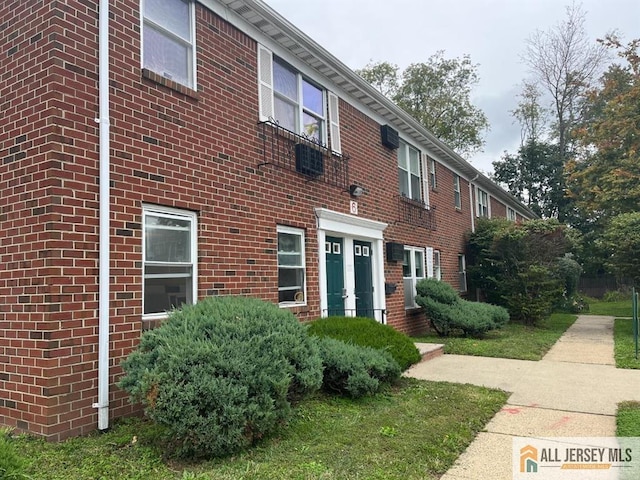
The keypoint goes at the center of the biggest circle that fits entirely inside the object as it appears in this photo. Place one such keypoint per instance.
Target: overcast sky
(492, 32)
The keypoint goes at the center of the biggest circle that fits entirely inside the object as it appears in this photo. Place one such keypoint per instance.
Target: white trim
(334, 122)
(429, 260)
(266, 102)
(192, 63)
(456, 183)
(301, 233)
(413, 278)
(437, 265)
(192, 217)
(350, 228)
(349, 224)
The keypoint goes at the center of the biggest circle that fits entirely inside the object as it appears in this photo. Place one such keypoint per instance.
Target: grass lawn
(625, 348)
(414, 430)
(513, 341)
(620, 308)
(628, 419)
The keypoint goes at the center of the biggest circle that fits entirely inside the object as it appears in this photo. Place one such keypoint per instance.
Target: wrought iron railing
(378, 314)
(416, 213)
(285, 149)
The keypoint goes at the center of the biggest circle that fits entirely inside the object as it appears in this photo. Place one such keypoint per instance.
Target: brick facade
(171, 146)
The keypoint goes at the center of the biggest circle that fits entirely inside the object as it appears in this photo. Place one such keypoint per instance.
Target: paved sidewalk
(572, 392)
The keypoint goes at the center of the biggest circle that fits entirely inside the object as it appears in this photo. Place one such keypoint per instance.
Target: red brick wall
(169, 146)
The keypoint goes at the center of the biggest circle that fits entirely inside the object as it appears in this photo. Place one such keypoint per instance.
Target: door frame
(351, 228)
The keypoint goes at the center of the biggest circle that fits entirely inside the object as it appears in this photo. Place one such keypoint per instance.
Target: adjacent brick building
(244, 160)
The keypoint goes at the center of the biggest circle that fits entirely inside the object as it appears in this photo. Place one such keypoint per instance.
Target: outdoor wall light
(355, 190)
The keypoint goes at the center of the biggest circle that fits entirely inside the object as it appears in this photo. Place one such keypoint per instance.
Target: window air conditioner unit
(395, 252)
(309, 161)
(389, 136)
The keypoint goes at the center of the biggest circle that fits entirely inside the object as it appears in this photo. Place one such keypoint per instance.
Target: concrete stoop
(430, 350)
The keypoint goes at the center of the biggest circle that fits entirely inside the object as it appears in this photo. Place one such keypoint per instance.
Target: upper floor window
(169, 259)
(457, 195)
(413, 269)
(482, 204)
(409, 172)
(511, 214)
(299, 105)
(296, 102)
(433, 181)
(168, 39)
(291, 266)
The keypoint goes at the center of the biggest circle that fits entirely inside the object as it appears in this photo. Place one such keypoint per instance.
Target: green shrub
(448, 313)
(12, 465)
(437, 290)
(368, 333)
(354, 370)
(615, 296)
(575, 303)
(221, 374)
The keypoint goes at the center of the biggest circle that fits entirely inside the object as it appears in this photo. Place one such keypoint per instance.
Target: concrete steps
(430, 350)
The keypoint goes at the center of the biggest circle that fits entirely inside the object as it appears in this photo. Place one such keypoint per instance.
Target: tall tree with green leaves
(437, 93)
(604, 176)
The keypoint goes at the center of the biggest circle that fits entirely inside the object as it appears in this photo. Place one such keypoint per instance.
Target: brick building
(235, 156)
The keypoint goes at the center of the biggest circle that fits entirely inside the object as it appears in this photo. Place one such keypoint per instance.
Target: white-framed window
(299, 104)
(169, 257)
(296, 102)
(433, 181)
(292, 289)
(511, 214)
(413, 269)
(168, 39)
(482, 204)
(462, 273)
(409, 172)
(437, 267)
(457, 194)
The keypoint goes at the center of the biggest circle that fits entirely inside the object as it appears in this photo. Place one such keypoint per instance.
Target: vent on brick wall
(389, 136)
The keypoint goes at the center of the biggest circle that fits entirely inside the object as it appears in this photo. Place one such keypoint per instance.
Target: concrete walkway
(572, 392)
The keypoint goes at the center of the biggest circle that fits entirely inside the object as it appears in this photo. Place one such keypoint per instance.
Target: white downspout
(473, 221)
(103, 329)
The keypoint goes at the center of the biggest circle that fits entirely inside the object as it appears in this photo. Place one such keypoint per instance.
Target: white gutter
(103, 333)
(473, 220)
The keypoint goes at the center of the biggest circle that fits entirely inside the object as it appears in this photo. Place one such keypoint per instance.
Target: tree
(564, 63)
(621, 242)
(604, 176)
(531, 114)
(437, 94)
(534, 176)
(518, 265)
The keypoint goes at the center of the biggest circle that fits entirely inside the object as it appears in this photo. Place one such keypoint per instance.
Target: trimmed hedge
(221, 374)
(367, 332)
(448, 312)
(354, 370)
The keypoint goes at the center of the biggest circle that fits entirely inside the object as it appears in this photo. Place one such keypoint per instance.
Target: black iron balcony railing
(285, 149)
(416, 213)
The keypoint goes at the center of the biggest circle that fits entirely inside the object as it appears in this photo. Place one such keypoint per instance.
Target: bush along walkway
(572, 392)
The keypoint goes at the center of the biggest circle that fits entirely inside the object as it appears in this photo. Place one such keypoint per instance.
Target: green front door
(335, 276)
(363, 279)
